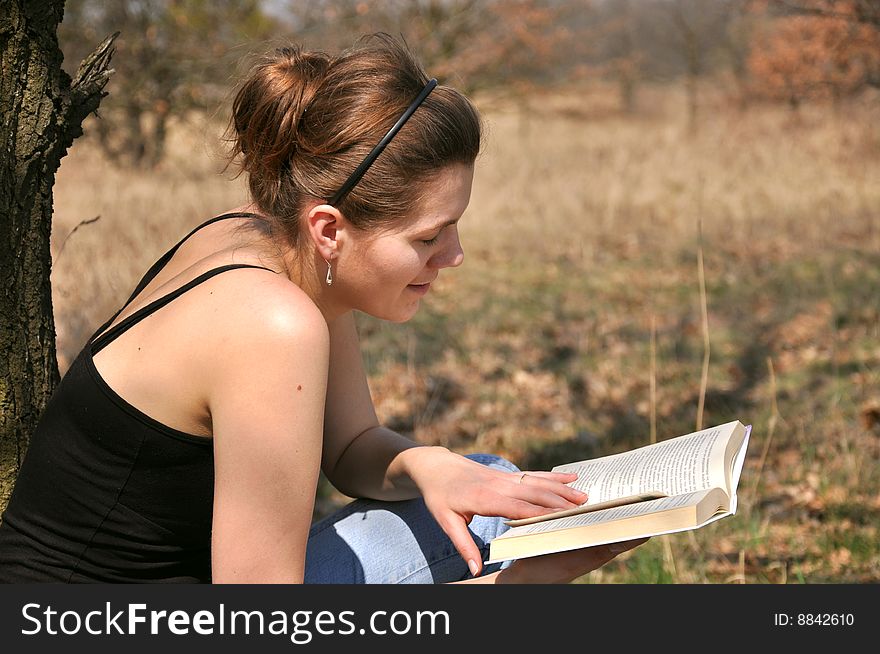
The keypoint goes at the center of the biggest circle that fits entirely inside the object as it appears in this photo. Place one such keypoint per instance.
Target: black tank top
(105, 492)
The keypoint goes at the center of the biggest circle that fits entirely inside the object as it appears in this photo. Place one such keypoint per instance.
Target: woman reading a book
(185, 442)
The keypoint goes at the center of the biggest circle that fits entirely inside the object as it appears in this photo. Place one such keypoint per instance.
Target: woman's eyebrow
(439, 226)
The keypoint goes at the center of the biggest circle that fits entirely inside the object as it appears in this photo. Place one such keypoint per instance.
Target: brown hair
(303, 121)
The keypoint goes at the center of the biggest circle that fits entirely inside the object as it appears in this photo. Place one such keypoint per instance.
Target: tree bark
(41, 113)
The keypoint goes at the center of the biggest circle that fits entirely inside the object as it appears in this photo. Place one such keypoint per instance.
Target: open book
(678, 484)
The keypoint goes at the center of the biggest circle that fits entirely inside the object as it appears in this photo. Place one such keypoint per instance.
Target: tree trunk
(41, 113)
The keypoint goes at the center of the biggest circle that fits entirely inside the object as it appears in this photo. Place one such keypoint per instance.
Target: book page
(607, 515)
(736, 468)
(643, 519)
(673, 467)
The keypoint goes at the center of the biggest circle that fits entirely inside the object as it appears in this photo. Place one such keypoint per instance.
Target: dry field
(624, 275)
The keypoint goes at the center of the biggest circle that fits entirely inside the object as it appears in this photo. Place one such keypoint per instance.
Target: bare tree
(475, 44)
(735, 44)
(175, 57)
(619, 51)
(861, 11)
(694, 29)
(42, 109)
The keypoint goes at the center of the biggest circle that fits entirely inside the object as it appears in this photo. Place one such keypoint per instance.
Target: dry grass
(643, 182)
(577, 326)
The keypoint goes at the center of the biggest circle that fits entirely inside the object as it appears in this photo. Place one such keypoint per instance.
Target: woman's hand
(563, 567)
(456, 489)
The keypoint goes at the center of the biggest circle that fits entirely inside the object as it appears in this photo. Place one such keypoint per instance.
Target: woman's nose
(451, 256)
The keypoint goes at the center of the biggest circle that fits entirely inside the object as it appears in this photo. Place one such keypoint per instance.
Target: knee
(494, 461)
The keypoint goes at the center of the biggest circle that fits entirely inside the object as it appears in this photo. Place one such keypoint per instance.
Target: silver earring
(329, 278)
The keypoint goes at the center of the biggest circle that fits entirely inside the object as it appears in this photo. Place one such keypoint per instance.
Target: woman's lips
(421, 289)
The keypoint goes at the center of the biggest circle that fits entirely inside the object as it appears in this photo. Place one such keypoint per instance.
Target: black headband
(355, 177)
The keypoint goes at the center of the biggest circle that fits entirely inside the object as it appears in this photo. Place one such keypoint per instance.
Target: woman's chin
(402, 314)
(403, 318)
(399, 310)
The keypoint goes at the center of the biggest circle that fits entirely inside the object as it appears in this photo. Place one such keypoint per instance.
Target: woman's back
(110, 489)
(166, 350)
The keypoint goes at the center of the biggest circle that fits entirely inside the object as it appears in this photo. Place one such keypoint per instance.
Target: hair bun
(269, 106)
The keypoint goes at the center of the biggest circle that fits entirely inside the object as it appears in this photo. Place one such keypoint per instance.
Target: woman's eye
(431, 241)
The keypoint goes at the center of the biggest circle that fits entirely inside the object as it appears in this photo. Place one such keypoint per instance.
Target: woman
(185, 442)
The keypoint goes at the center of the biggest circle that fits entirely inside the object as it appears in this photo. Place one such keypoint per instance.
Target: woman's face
(387, 273)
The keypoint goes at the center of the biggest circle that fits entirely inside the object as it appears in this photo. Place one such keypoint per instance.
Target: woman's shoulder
(267, 304)
(261, 330)
(257, 296)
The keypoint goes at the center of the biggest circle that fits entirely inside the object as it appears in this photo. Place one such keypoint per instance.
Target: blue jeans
(373, 542)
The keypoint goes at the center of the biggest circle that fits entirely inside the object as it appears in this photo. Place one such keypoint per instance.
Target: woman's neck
(302, 266)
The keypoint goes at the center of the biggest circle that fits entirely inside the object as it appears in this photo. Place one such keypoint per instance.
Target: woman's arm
(361, 458)
(364, 459)
(266, 401)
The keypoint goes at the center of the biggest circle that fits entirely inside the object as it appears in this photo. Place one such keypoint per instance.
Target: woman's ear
(323, 222)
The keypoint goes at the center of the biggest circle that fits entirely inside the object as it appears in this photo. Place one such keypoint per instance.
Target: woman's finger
(535, 480)
(573, 495)
(561, 477)
(543, 497)
(515, 509)
(455, 527)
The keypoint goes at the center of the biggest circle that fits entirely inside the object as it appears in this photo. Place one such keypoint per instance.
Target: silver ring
(521, 477)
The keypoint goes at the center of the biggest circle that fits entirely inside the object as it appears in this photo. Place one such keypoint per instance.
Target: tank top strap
(156, 268)
(107, 337)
